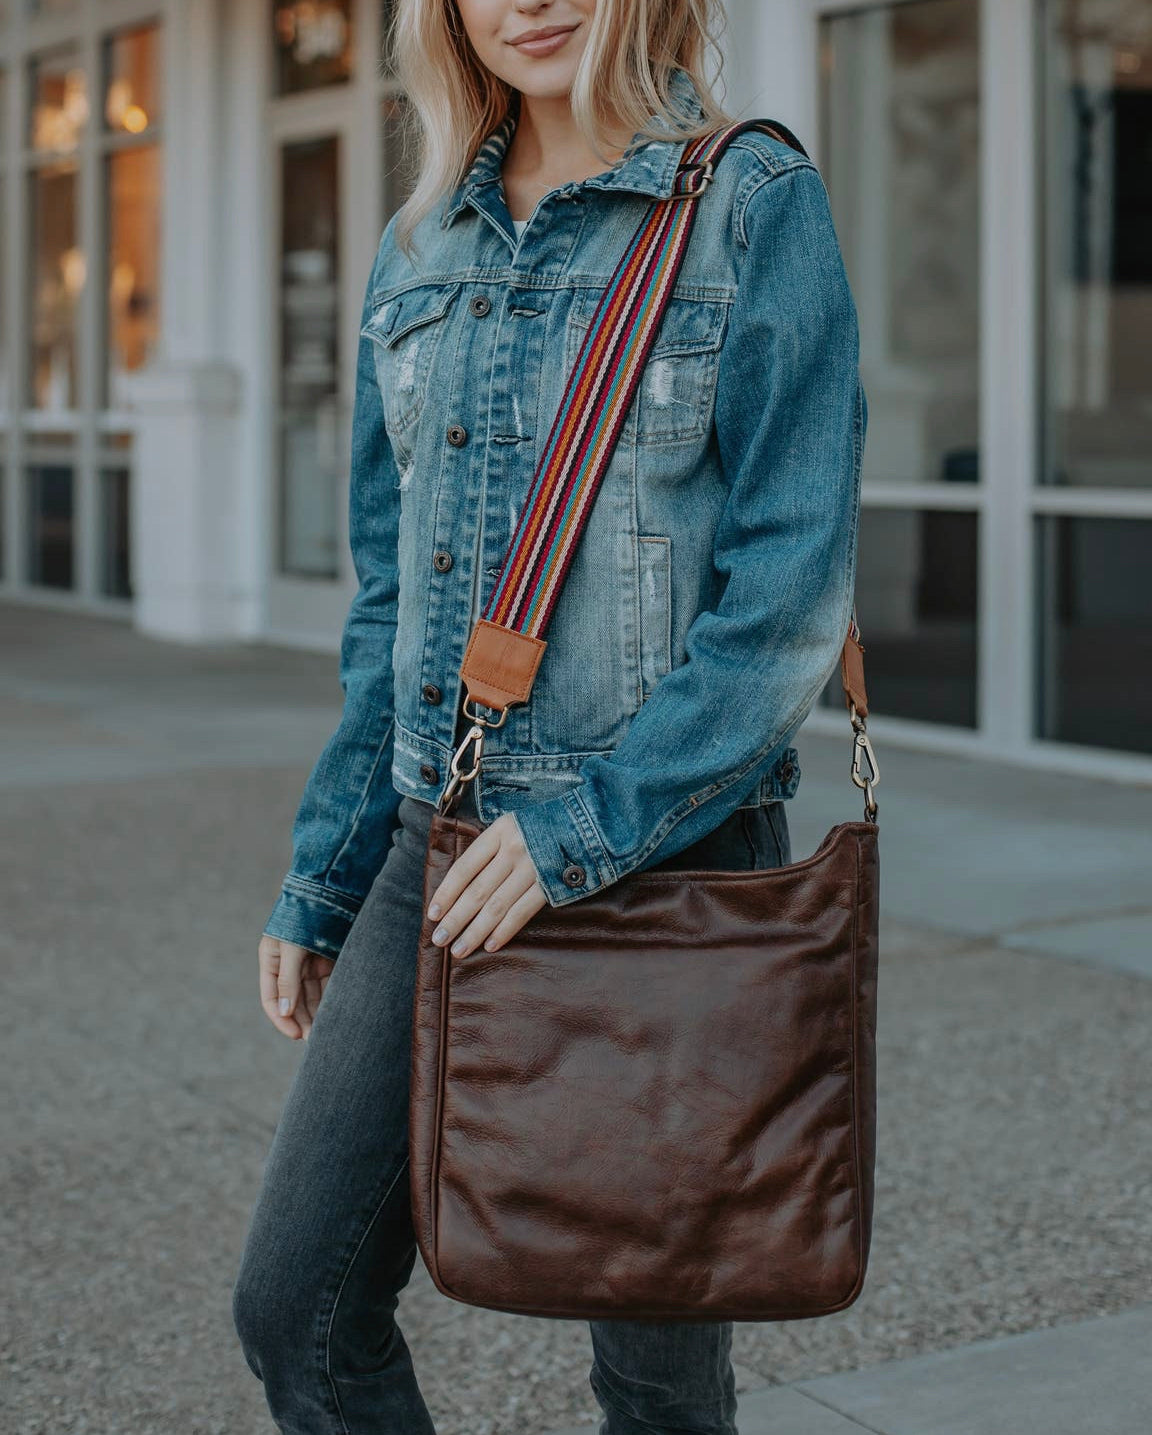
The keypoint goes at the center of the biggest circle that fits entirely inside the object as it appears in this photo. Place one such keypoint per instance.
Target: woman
(702, 615)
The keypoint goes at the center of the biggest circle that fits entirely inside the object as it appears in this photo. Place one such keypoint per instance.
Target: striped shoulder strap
(507, 643)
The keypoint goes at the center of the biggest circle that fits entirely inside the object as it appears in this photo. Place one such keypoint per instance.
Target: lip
(542, 41)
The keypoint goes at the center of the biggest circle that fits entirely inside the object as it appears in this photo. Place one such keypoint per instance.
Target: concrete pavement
(1088, 1376)
(146, 797)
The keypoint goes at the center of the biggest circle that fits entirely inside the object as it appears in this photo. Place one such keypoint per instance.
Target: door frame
(310, 612)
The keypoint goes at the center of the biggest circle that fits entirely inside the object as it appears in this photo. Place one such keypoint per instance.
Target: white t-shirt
(518, 225)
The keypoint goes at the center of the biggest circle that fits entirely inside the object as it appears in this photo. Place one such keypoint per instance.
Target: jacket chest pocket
(676, 397)
(408, 328)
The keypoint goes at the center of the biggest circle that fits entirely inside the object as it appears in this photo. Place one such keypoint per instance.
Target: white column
(771, 64)
(1008, 372)
(195, 574)
(186, 556)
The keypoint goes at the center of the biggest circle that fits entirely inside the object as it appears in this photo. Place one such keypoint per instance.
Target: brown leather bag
(658, 1101)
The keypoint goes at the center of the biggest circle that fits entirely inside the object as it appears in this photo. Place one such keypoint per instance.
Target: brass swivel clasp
(865, 768)
(458, 777)
(471, 750)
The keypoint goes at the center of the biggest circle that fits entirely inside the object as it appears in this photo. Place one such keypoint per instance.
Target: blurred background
(191, 195)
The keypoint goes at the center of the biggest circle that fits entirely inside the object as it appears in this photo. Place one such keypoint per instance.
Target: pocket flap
(401, 313)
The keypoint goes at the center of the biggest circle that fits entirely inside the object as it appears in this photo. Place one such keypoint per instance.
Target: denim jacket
(706, 605)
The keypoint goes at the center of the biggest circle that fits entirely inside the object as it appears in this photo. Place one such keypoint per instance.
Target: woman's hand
(292, 981)
(489, 892)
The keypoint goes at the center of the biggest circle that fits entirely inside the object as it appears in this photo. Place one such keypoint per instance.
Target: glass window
(133, 316)
(313, 44)
(1097, 91)
(132, 80)
(115, 550)
(901, 125)
(58, 273)
(310, 410)
(916, 587)
(398, 153)
(50, 526)
(59, 102)
(1096, 655)
(900, 111)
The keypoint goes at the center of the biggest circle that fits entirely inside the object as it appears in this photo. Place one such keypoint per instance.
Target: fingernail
(434, 910)
(457, 946)
(440, 934)
(285, 1005)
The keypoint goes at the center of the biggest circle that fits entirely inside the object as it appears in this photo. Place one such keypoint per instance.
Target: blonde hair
(622, 79)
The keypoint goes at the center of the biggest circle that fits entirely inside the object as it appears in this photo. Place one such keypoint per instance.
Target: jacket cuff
(565, 848)
(311, 916)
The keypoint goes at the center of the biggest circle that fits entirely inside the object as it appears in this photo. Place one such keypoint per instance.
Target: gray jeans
(330, 1242)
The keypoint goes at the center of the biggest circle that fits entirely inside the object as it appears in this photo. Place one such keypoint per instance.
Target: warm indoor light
(73, 271)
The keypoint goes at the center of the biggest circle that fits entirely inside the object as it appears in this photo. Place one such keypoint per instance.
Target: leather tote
(657, 1101)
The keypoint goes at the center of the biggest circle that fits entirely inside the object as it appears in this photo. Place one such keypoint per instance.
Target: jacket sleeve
(790, 415)
(347, 815)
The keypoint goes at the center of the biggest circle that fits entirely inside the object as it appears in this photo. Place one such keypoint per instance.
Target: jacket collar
(648, 169)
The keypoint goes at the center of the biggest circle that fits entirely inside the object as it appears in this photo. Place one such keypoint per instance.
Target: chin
(550, 75)
(542, 87)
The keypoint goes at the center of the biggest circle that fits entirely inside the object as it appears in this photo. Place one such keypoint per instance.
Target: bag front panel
(656, 1102)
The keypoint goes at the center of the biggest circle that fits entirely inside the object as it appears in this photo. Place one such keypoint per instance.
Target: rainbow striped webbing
(599, 392)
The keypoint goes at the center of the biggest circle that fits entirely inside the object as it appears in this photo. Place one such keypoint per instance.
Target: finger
(470, 862)
(471, 901)
(491, 913)
(515, 917)
(280, 994)
(268, 955)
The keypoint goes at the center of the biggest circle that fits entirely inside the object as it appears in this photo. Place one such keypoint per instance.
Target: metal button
(429, 773)
(574, 875)
(457, 435)
(479, 305)
(787, 771)
(442, 560)
(431, 693)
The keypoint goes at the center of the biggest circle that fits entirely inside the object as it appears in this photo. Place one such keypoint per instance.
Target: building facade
(191, 194)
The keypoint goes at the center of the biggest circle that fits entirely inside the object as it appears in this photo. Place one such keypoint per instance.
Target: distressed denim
(330, 1243)
(710, 594)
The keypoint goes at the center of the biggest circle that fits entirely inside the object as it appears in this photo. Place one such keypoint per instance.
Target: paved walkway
(146, 796)
(1086, 1378)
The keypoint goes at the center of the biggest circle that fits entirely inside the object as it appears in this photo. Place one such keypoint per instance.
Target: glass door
(336, 131)
(900, 130)
(1093, 524)
(81, 115)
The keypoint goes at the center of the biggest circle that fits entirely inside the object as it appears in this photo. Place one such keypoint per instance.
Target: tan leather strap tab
(500, 664)
(852, 675)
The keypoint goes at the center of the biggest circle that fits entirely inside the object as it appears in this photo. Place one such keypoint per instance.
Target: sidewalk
(146, 797)
(1090, 1376)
